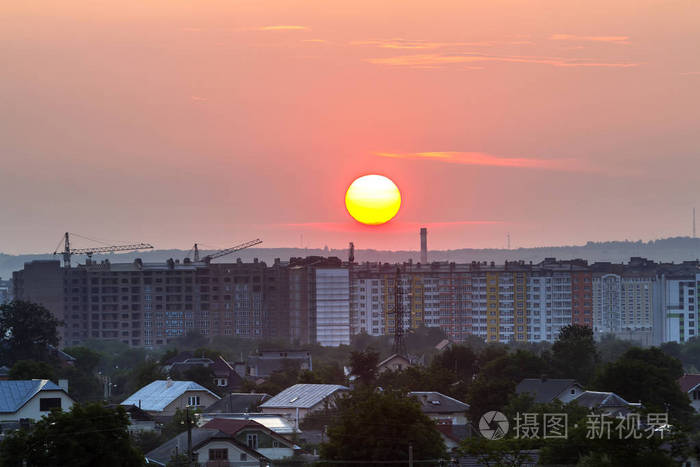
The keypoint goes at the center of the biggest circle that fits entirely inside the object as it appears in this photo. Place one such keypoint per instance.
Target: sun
(373, 199)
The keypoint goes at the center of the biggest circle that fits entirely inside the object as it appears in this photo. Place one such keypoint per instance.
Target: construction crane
(68, 251)
(207, 259)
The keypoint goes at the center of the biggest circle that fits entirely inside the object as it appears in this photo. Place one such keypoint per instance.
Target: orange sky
(220, 121)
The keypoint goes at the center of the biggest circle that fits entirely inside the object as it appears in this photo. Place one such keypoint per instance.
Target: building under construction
(148, 304)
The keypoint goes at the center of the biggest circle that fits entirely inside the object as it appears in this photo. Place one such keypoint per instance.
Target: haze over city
(174, 122)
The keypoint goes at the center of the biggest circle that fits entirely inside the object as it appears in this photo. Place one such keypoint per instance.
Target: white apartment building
(332, 306)
(623, 305)
(548, 305)
(679, 308)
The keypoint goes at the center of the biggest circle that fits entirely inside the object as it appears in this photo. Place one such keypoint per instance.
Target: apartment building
(148, 304)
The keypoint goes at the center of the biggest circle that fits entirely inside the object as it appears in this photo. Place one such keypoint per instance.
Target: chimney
(63, 384)
(423, 245)
(168, 382)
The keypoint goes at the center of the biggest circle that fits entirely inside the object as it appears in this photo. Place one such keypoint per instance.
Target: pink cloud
(483, 159)
(573, 37)
(282, 27)
(437, 60)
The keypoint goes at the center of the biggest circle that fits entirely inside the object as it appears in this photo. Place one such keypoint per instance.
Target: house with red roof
(255, 436)
(690, 384)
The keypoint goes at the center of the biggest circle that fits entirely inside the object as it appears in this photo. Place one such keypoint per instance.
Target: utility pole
(410, 455)
(509, 240)
(693, 222)
(190, 454)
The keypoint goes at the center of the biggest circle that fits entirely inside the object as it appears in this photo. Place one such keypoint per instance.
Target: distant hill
(669, 249)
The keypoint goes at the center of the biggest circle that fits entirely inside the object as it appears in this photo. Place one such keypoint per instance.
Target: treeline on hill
(482, 375)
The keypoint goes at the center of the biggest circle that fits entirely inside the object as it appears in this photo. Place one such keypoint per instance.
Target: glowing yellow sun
(373, 199)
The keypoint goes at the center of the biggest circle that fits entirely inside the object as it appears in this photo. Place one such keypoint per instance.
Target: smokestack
(423, 245)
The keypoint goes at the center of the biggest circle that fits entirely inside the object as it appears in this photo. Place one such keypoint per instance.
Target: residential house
(274, 422)
(444, 344)
(546, 390)
(224, 374)
(238, 402)
(211, 448)
(269, 361)
(443, 409)
(254, 435)
(607, 403)
(31, 399)
(297, 401)
(139, 420)
(448, 413)
(690, 384)
(394, 362)
(453, 435)
(165, 397)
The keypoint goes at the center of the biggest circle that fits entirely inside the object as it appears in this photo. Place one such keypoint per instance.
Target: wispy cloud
(439, 60)
(483, 159)
(575, 38)
(408, 44)
(282, 27)
(690, 73)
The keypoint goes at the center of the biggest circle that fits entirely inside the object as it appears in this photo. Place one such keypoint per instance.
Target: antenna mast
(399, 335)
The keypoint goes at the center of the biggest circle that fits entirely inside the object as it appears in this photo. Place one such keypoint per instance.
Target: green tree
(87, 435)
(86, 359)
(31, 369)
(380, 426)
(144, 374)
(574, 354)
(648, 376)
(497, 453)
(515, 366)
(486, 394)
(27, 331)
(200, 374)
(459, 359)
(363, 365)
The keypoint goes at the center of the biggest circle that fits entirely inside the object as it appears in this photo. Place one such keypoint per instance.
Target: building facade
(327, 301)
(149, 304)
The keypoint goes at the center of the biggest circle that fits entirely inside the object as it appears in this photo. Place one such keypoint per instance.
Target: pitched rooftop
(156, 396)
(14, 394)
(302, 396)
(435, 402)
(544, 390)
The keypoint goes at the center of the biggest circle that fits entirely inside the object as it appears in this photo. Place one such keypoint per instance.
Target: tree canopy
(381, 426)
(27, 330)
(87, 435)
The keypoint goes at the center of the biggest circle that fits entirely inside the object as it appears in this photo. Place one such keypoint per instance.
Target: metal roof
(302, 396)
(597, 399)
(14, 394)
(156, 396)
(545, 390)
(276, 423)
(435, 402)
